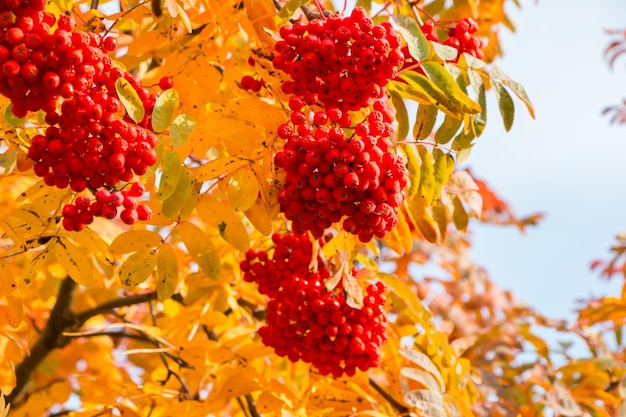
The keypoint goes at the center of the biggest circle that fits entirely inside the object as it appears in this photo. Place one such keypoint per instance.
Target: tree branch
(113, 304)
(402, 410)
(156, 8)
(51, 337)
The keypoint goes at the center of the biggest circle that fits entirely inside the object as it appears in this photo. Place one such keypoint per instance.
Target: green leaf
(520, 92)
(463, 141)
(12, 119)
(175, 202)
(433, 93)
(167, 271)
(130, 99)
(402, 115)
(290, 8)
(172, 168)
(164, 110)
(506, 106)
(442, 78)
(447, 130)
(419, 47)
(479, 120)
(445, 52)
(181, 129)
(424, 121)
(443, 167)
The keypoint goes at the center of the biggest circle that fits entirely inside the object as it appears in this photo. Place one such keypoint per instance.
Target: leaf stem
(402, 410)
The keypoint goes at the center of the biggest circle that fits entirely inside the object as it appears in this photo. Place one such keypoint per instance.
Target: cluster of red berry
(89, 140)
(343, 62)
(335, 170)
(460, 36)
(252, 83)
(306, 322)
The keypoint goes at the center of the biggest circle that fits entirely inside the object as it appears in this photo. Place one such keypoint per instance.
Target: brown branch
(156, 8)
(113, 304)
(252, 406)
(51, 337)
(402, 410)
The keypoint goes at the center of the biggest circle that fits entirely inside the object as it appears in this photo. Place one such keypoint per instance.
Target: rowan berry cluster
(337, 168)
(304, 321)
(460, 36)
(330, 177)
(90, 141)
(342, 62)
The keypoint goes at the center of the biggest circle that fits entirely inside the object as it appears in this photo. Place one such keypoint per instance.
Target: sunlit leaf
(138, 267)
(12, 119)
(406, 294)
(75, 261)
(402, 116)
(258, 216)
(506, 106)
(175, 202)
(419, 47)
(228, 224)
(440, 99)
(424, 121)
(95, 245)
(181, 129)
(130, 99)
(459, 216)
(290, 8)
(134, 241)
(423, 377)
(218, 167)
(447, 130)
(425, 363)
(446, 82)
(172, 168)
(164, 110)
(167, 271)
(201, 249)
(354, 292)
(426, 189)
(243, 189)
(413, 166)
(430, 403)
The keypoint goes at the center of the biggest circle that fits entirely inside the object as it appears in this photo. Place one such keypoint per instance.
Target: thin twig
(243, 408)
(156, 8)
(51, 337)
(113, 304)
(394, 403)
(252, 406)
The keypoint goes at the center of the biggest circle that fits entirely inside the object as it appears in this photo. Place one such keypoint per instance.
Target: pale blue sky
(568, 163)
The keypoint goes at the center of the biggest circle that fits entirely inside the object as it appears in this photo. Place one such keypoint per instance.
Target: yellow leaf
(130, 99)
(426, 363)
(354, 292)
(459, 216)
(94, 244)
(413, 165)
(181, 129)
(175, 202)
(440, 216)
(167, 270)
(423, 219)
(268, 402)
(16, 309)
(442, 78)
(4, 407)
(218, 167)
(134, 241)
(138, 267)
(7, 282)
(164, 109)
(192, 199)
(13, 234)
(443, 167)
(235, 382)
(426, 188)
(32, 191)
(74, 261)
(184, 18)
(172, 169)
(261, 13)
(33, 269)
(243, 189)
(407, 295)
(200, 248)
(229, 225)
